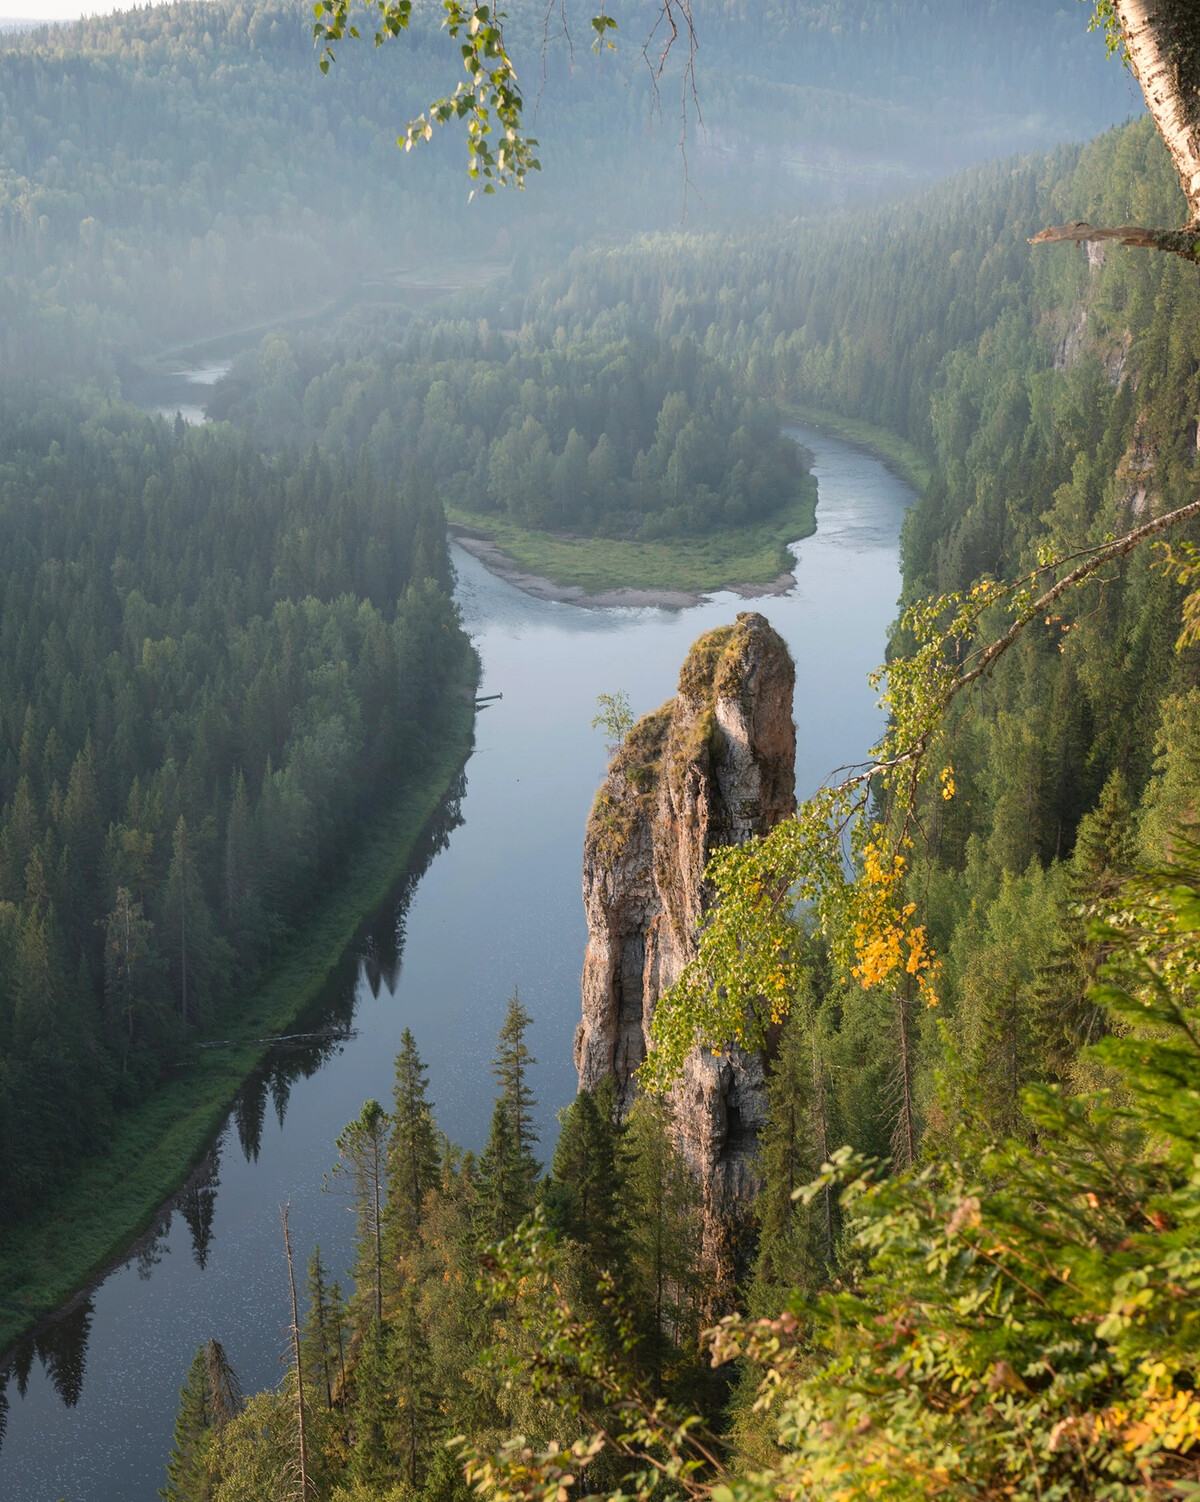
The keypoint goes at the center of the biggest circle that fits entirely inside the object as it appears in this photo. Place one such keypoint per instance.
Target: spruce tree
(186, 1480)
(414, 1153)
(210, 1397)
(416, 1401)
(130, 972)
(320, 1339)
(198, 956)
(1067, 1019)
(508, 1170)
(362, 1159)
(586, 1184)
(795, 1241)
(375, 1459)
(664, 1233)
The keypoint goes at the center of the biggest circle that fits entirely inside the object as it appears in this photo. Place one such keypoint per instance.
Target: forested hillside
(180, 170)
(999, 1303)
(1056, 397)
(211, 667)
(617, 432)
(973, 1270)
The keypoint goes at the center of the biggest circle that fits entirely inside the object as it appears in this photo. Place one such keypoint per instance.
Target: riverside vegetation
(991, 1288)
(212, 668)
(152, 164)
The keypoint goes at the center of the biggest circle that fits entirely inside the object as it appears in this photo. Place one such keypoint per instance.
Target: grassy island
(754, 554)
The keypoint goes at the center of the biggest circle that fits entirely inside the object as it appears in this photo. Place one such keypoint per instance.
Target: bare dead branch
(1183, 242)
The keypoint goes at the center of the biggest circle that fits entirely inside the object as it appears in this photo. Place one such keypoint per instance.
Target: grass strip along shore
(751, 556)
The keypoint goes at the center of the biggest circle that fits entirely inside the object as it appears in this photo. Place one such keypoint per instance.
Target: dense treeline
(417, 1352)
(210, 664)
(617, 433)
(183, 169)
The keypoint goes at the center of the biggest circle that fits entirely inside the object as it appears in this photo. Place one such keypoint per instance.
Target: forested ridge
(212, 666)
(990, 1289)
(176, 171)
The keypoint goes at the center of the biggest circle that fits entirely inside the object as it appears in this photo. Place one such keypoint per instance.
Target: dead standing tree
(1161, 39)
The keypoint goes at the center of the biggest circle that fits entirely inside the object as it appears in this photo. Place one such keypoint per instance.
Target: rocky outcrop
(714, 766)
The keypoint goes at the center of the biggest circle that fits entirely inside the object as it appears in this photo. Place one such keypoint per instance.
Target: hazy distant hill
(185, 168)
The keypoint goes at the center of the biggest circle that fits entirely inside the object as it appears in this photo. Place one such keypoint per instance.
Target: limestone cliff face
(712, 767)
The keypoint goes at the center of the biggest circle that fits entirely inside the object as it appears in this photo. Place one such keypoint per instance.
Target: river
(492, 904)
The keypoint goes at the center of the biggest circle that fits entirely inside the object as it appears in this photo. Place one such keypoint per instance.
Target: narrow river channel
(493, 904)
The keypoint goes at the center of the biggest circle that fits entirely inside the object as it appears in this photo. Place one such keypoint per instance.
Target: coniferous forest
(209, 657)
(963, 977)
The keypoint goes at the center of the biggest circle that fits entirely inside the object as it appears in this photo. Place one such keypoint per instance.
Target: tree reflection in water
(60, 1344)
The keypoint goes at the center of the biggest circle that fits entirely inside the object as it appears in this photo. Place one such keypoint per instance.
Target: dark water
(493, 903)
(184, 391)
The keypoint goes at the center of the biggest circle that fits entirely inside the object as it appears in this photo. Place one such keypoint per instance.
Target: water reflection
(198, 1204)
(60, 1343)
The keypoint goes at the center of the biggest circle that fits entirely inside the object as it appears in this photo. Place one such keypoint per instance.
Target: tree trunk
(904, 1132)
(1162, 38)
(1162, 41)
(287, 1244)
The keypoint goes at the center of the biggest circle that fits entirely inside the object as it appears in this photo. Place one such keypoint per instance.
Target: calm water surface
(494, 903)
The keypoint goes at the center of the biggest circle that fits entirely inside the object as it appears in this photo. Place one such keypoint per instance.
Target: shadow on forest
(325, 1029)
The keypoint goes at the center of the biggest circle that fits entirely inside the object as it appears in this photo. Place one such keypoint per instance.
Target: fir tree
(508, 1169)
(414, 1155)
(209, 1399)
(362, 1159)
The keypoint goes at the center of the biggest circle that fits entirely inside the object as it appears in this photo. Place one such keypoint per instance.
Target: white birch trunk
(1162, 38)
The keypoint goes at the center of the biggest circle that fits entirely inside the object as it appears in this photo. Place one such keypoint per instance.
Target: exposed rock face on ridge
(714, 766)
